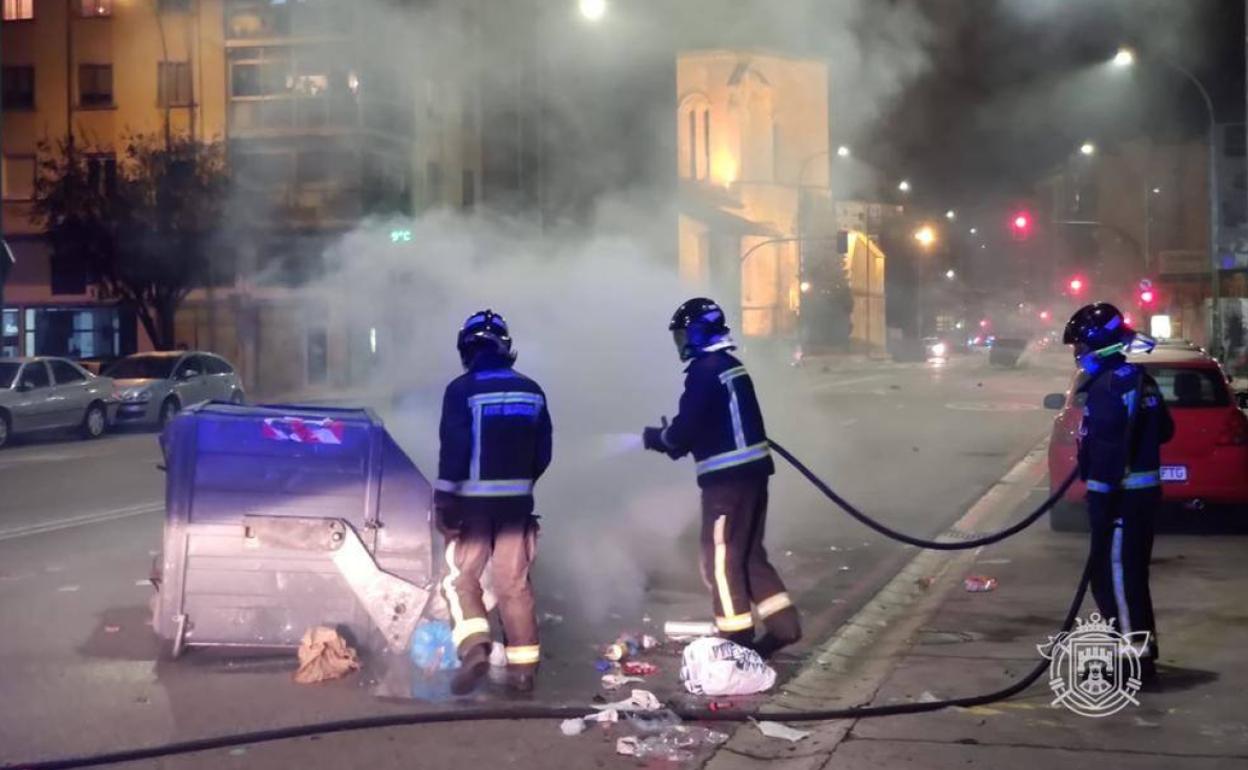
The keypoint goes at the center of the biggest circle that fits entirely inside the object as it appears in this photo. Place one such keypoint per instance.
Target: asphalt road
(80, 522)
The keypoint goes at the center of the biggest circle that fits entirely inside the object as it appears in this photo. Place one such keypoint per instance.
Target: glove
(652, 438)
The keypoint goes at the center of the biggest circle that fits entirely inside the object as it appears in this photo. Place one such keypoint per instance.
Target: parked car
(41, 394)
(153, 387)
(1205, 464)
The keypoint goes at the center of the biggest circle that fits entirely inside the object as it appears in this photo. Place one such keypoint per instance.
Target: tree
(142, 226)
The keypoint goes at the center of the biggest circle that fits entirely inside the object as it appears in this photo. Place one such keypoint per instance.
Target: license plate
(1174, 473)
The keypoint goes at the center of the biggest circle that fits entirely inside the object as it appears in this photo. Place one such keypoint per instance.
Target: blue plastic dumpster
(279, 518)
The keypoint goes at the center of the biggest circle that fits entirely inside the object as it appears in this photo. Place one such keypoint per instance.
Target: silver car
(153, 387)
(38, 394)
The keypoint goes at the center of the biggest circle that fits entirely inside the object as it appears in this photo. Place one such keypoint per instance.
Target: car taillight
(1235, 431)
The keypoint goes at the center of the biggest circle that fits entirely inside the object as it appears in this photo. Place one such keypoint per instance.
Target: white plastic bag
(713, 666)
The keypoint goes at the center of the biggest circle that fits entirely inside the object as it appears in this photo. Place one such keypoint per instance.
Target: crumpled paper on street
(616, 681)
(577, 726)
(640, 700)
(778, 730)
(324, 655)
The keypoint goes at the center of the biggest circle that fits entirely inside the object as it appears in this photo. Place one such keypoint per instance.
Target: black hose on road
(935, 545)
(526, 713)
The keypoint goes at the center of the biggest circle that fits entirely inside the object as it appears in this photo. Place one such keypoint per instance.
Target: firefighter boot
(474, 666)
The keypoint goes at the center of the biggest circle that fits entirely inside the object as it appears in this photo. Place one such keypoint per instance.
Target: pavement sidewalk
(925, 637)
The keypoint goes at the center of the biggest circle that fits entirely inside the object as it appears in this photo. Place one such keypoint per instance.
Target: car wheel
(4, 429)
(1068, 516)
(168, 410)
(95, 422)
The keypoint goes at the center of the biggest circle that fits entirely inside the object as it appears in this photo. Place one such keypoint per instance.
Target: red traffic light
(1147, 297)
(1045, 315)
(1020, 225)
(1076, 285)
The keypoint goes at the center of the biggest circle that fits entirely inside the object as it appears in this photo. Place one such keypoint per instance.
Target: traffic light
(1147, 295)
(1076, 285)
(1020, 225)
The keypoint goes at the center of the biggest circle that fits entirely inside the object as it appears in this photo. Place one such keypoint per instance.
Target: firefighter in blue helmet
(496, 443)
(1125, 422)
(721, 424)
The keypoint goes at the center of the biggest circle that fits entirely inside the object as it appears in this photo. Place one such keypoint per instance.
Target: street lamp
(842, 152)
(593, 9)
(951, 215)
(925, 235)
(974, 231)
(904, 185)
(950, 274)
(1126, 57)
(1087, 148)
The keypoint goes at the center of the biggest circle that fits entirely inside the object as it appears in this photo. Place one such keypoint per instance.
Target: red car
(1206, 463)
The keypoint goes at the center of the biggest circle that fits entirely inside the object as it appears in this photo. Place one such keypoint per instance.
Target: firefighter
(1125, 422)
(721, 424)
(496, 443)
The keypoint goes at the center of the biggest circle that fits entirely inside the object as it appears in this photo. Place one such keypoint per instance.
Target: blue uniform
(720, 422)
(496, 443)
(1125, 422)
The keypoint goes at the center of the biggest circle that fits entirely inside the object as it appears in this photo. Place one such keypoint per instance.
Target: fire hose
(538, 712)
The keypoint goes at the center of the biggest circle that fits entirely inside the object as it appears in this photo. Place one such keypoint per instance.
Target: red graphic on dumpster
(302, 431)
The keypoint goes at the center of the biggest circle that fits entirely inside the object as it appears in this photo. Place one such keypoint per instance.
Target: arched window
(694, 141)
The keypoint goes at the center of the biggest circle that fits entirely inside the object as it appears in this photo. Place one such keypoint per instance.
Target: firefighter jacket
(1125, 422)
(720, 422)
(495, 432)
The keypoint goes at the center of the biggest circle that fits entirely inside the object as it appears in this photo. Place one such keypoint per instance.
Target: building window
(19, 177)
(102, 171)
(469, 193)
(173, 84)
(94, 9)
(95, 85)
(19, 10)
(10, 334)
(694, 139)
(19, 88)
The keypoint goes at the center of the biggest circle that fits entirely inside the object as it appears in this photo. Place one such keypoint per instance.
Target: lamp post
(1125, 57)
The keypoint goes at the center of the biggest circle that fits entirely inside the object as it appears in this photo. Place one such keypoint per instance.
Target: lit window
(19, 10)
(96, 8)
(173, 84)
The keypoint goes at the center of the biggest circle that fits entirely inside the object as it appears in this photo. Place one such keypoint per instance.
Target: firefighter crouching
(721, 424)
(495, 444)
(1125, 422)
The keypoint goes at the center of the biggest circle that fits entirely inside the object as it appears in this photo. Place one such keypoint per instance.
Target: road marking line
(80, 521)
(850, 381)
(67, 589)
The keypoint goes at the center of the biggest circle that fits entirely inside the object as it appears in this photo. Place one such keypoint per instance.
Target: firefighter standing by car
(721, 424)
(1125, 422)
(495, 444)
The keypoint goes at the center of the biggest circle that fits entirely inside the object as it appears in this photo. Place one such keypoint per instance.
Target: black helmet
(698, 326)
(484, 332)
(1099, 327)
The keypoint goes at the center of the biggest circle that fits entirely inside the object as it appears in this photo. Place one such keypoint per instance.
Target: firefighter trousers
(1122, 525)
(735, 565)
(476, 531)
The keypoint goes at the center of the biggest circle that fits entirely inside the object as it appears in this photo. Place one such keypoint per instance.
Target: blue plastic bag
(432, 648)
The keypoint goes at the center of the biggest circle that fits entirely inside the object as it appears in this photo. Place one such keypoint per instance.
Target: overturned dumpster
(281, 518)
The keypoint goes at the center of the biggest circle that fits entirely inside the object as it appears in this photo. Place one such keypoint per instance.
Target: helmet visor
(681, 339)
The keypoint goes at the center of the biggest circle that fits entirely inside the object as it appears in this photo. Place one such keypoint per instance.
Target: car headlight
(939, 349)
(137, 396)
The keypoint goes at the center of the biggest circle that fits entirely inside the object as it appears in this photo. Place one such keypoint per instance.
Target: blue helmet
(1099, 328)
(699, 326)
(484, 332)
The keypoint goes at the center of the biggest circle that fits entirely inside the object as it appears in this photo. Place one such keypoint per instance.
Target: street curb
(854, 663)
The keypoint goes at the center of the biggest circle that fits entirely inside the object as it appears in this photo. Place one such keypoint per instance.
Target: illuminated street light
(925, 235)
(1087, 148)
(593, 9)
(951, 215)
(904, 186)
(842, 152)
(950, 274)
(974, 231)
(1124, 58)
(1156, 191)
(804, 286)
